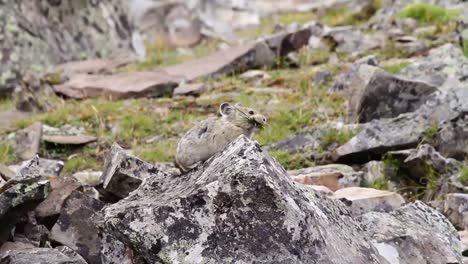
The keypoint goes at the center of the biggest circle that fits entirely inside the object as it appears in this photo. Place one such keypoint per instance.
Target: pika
(214, 134)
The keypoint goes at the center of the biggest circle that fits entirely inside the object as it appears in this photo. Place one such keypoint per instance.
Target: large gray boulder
(415, 233)
(38, 34)
(240, 205)
(407, 130)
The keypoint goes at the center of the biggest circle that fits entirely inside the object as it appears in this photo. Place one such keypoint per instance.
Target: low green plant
(463, 178)
(430, 134)
(379, 184)
(396, 68)
(336, 136)
(81, 162)
(291, 161)
(7, 155)
(429, 13)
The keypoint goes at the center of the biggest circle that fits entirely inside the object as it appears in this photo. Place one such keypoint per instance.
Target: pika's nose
(261, 119)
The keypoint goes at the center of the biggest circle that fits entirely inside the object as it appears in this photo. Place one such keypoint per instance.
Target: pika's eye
(251, 112)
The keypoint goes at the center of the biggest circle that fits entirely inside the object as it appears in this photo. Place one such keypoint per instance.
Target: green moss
(7, 154)
(379, 184)
(463, 178)
(429, 13)
(300, 17)
(291, 161)
(396, 68)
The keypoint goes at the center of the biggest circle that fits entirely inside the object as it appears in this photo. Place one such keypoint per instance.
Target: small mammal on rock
(214, 133)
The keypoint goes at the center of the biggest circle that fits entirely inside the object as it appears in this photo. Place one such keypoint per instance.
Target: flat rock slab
(70, 140)
(75, 229)
(119, 86)
(332, 176)
(364, 200)
(241, 205)
(93, 66)
(40, 256)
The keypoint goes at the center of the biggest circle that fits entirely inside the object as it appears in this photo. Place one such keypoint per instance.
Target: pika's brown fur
(214, 133)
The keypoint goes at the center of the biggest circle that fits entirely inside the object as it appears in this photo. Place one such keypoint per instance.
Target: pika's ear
(225, 109)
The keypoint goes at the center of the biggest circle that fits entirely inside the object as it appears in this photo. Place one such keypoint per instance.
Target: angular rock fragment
(40, 255)
(52, 205)
(6, 173)
(7, 246)
(358, 76)
(333, 176)
(364, 200)
(456, 209)
(239, 205)
(27, 141)
(40, 167)
(189, 89)
(75, 229)
(118, 86)
(415, 233)
(123, 172)
(405, 130)
(386, 96)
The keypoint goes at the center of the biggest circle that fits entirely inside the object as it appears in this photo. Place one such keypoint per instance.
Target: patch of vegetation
(396, 68)
(291, 161)
(379, 184)
(336, 136)
(463, 178)
(429, 13)
(391, 51)
(6, 103)
(341, 16)
(465, 45)
(314, 57)
(430, 134)
(7, 154)
(81, 162)
(163, 150)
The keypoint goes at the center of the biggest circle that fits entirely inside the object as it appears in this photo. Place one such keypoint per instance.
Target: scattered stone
(40, 167)
(254, 75)
(9, 117)
(66, 135)
(333, 176)
(190, 89)
(373, 170)
(40, 255)
(89, 30)
(456, 209)
(414, 233)
(51, 207)
(405, 130)
(386, 96)
(354, 42)
(119, 86)
(7, 246)
(88, 178)
(364, 200)
(270, 216)
(115, 252)
(74, 228)
(321, 77)
(123, 173)
(27, 141)
(300, 142)
(358, 75)
(183, 30)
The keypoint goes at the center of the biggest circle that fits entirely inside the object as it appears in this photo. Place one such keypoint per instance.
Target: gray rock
(443, 65)
(115, 252)
(240, 205)
(386, 96)
(5, 172)
(358, 75)
(405, 130)
(66, 135)
(373, 170)
(40, 167)
(88, 178)
(300, 142)
(321, 77)
(27, 141)
(75, 229)
(40, 256)
(333, 176)
(7, 246)
(415, 233)
(190, 89)
(354, 42)
(123, 173)
(52, 205)
(58, 31)
(364, 200)
(455, 208)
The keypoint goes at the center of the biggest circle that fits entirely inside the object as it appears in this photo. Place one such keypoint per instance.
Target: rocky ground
(364, 159)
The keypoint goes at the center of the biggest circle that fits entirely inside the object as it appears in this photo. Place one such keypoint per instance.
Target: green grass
(336, 136)
(463, 178)
(7, 154)
(430, 134)
(429, 13)
(291, 161)
(379, 184)
(160, 151)
(81, 162)
(6, 104)
(396, 68)
(341, 16)
(465, 44)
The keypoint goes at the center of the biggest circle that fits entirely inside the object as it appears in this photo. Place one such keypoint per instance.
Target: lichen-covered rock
(456, 208)
(239, 205)
(51, 32)
(40, 256)
(40, 167)
(75, 229)
(406, 130)
(386, 96)
(123, 172)
(415, 233)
